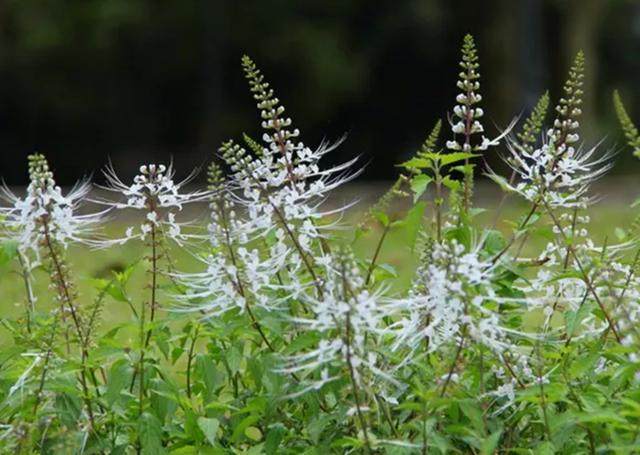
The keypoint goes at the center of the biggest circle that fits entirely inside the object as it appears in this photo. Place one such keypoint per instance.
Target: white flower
(466, 113)
(154, 192)
(447, 303)
(281, 185)
(45, 212)
(559, 176)
(350, 320)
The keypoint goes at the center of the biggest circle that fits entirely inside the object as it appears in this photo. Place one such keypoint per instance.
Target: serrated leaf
(302, 342)
(416, 163)
(150, 434)
(471, 409)
(453, 185)
(455, 157)
(234, 359)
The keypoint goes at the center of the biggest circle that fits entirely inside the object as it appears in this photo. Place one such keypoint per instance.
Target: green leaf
(234, 359)
(501, 181)
(384, 272)
(471, 409)
(69, 408)
(494, 241)
(207, 371)
(303, 341)
(209, 427)
(150, 434)
(574, 318)
(419, 185)
(382, 217)
(456, 157)
(162, 399)
(253, 433)
(417, 163)
(490, 444)
(413, 223)
(453, 185)
(274, 438)
(242, 426)
(546, 448)
(118, 380)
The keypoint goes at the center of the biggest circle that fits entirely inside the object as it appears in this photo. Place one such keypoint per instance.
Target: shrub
(283, 340)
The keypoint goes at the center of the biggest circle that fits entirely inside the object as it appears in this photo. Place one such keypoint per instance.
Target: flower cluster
(467, 112)
(557, 173)
(236, 273)
(156, 193)
(282, 185)
(557, 179)
(349, 319)
(448, 302)
(46, 213)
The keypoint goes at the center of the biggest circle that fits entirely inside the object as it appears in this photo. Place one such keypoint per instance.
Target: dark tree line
(138, 80)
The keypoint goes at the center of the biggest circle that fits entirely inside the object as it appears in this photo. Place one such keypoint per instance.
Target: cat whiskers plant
(465, 120)
(281, 185)
(350, 320)
(44, 223)
(154, 193)
(236, 276)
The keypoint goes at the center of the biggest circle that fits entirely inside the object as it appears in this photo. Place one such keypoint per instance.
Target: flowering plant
(269, 329)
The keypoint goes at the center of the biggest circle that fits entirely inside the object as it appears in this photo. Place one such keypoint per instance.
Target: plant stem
(28, 290)
(438, 200)
(64, 293)
(190, 358)
(354, 386)
(145, 337)
(585, 276)
(372, 266)
(453, 365)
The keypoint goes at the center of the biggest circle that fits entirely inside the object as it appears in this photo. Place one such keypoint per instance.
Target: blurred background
(150, 80)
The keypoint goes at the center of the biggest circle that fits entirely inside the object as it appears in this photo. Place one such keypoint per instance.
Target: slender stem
(354, 386)
(372, 266)
(585, 276)
(576, 400)
(47, 358)
(28, 290)
(389, 419)
(154, 282)
(543, 401)
(438, 201)
(453, 365)
(190, 358)
(483, 403)
(65, 295)
(145, 338)
(513, 238)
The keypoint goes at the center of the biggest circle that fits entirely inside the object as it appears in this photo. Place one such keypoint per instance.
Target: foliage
(285, 341)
